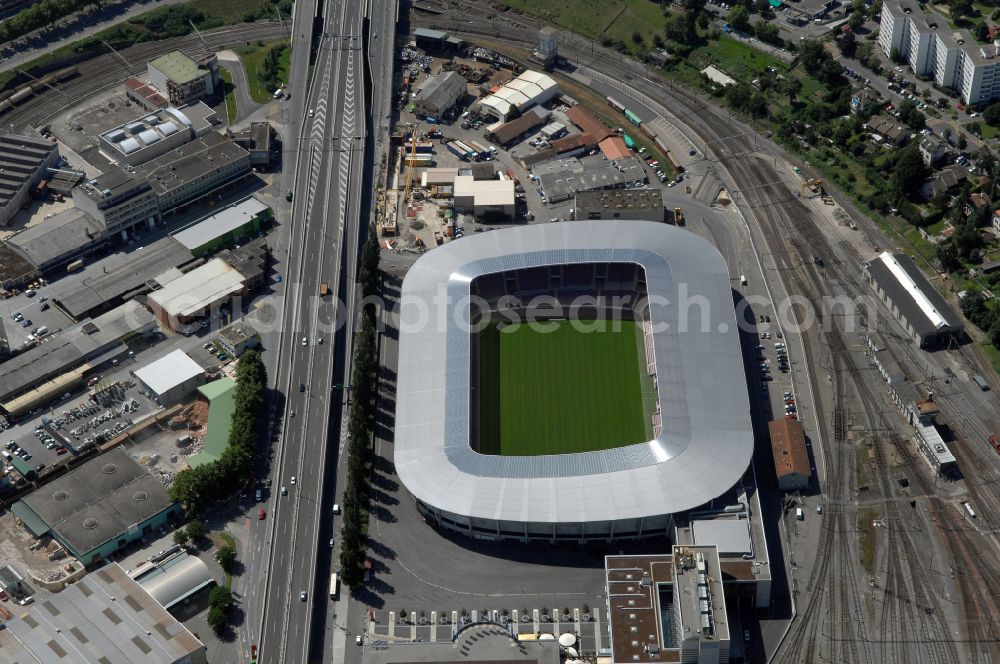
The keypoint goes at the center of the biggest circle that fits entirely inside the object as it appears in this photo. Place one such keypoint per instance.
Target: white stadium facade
(703, 440)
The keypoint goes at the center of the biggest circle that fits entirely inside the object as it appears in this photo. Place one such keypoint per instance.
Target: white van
(743, 279)
(6, 454)
(799, 514)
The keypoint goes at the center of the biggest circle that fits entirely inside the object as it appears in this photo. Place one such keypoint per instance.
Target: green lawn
(227, 82)
(253, 58)
(560, 391)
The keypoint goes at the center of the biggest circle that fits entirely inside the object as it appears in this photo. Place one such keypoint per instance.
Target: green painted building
(219, 394)
(226, 227)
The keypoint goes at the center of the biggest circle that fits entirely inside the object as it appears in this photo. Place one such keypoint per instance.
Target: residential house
(946, 180)
(887, 130)
(932, 149)
(863, 101)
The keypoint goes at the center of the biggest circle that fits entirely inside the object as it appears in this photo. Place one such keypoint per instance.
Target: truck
(279, 93)
(288, 195)
(334, 586)
(461, 149)
(678, 217)
(324, 289)
(981, 382)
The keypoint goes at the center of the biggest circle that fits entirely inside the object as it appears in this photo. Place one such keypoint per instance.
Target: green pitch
(560, 392)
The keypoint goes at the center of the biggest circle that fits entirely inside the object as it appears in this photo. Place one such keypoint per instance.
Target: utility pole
(128, 65)
(197, 33)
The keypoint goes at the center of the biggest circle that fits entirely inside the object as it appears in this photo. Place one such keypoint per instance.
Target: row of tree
(268, 72)
(353, 545)
(197, 488)
(220, 603)
(40, 15)
(984, 314)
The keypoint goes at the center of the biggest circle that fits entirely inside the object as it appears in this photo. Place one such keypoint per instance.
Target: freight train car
(615, 104)
(633, 118)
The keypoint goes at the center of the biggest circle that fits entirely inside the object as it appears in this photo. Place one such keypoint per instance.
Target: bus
(334, 586)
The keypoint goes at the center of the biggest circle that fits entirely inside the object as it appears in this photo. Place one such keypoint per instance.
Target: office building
(184, 80)
(156, 133)
(641, 204)
(119, 200)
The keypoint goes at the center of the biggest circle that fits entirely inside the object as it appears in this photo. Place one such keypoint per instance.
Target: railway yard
(928, 588)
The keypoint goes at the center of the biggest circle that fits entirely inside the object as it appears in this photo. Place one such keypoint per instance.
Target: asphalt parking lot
(36, 313)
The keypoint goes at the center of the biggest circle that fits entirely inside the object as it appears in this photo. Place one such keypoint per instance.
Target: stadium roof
(169, 371)
(706, 441)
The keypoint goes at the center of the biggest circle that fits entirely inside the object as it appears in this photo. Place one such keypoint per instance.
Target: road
(74, 27)
(325, 146)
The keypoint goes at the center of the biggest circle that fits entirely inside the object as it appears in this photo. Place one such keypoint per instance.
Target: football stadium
(575, 381)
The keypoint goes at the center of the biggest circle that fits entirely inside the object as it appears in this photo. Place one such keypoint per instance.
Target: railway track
(833, 623)
(105, 71)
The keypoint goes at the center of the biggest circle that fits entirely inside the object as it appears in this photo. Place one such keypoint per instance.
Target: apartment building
(952, 58)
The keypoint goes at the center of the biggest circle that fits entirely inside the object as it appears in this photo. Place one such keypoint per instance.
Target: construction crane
(409, 166)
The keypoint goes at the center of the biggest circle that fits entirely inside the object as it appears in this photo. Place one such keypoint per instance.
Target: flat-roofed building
(171, 377)
(439, 93)
(184, 301)
(643, 204)
(118, 278)
(99, 507)
(156, 133)
(24, 162)
(484, 197)
(194, 170)
(255, 139)
(48, 370)
(791, 459)
(119, 200)
(561, 179)
(60, 239)
(183, 79)
(238, 337)
(104, 617)
(225, 227)
(912, 300)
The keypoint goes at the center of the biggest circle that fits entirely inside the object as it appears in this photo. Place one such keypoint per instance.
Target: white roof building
(172, 377)
(529, 89)
(705, 440)
(191, 294)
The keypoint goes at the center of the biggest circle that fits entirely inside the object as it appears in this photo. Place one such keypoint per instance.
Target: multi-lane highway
(326, 148)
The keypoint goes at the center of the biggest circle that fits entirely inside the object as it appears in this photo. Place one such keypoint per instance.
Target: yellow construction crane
(409, 165)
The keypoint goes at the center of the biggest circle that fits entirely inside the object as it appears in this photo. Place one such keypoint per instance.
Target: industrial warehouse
(699, 448)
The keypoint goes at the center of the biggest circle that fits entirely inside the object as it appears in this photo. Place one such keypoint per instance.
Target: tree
(857, 20)
(220, 601)
(981, 31)
(848, 45)
(636, 37)
(792, 88)
(196, 530)
(181, 537)
(894, 54)
(739, 18)
(910, 171)
(992, 114)
(762, 6)
(812, 54)
(962, 142)
(218, 620)
(768, 32)
(227, 558)
(959, 9)
(910, 115)
(947, 256)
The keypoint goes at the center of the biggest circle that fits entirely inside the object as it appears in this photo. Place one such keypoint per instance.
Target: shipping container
(981, 382)
(479, 148)
(469, 152)
(615, 104)
(647, 130)
(425, 146)
(419, 160)
(75, 265)
(633, 118)
(458, 150)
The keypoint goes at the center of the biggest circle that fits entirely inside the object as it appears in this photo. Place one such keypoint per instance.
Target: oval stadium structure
(673, 287)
